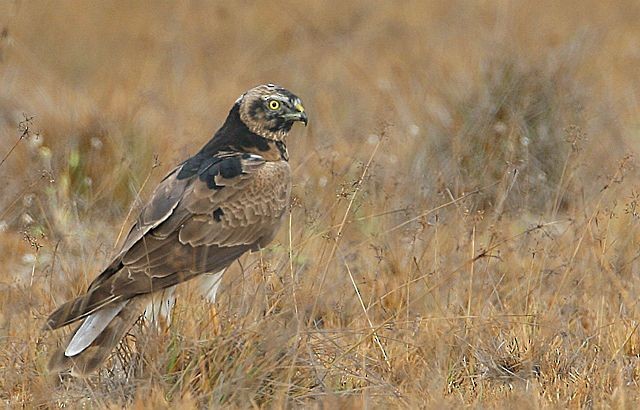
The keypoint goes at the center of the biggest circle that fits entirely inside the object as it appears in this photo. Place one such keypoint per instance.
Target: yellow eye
(274, 104)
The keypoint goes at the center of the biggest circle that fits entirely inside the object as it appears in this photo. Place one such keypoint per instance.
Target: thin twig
(26, 131)
(376, 339)
(341, 228)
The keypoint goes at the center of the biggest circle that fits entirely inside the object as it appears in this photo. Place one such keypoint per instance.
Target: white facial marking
(277, 97)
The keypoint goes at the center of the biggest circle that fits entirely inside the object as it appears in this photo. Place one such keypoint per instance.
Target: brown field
(466, 223)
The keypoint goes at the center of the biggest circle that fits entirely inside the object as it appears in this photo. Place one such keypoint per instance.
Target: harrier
(227, 199)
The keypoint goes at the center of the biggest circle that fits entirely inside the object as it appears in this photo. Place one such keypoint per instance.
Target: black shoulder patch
(227, 167)
(208, 168)
(190, 167)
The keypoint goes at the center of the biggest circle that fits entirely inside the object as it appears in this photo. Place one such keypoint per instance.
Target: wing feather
(242, 214)
(191, 226)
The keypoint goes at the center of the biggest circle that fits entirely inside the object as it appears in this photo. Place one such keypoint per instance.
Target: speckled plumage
(227, 199)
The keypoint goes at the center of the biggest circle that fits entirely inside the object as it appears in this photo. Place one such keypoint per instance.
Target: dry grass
(466, 224)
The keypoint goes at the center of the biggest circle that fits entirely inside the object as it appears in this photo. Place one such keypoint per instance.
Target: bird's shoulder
(211, 177)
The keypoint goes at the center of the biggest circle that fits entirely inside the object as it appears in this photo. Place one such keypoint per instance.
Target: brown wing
(160, 207)
(192, 226)
(209, 229)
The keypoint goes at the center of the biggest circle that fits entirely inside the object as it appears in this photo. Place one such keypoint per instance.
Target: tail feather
(79, 308)
(91, 327)
(94, 354)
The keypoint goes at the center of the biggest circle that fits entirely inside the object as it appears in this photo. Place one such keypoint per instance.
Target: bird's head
(270, 111)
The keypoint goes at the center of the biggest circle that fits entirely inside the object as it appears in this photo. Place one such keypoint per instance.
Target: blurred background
(519, 118)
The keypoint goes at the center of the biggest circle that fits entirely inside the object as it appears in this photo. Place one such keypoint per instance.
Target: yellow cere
(299, 107)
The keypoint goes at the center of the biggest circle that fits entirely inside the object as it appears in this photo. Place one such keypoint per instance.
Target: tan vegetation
(465, 227)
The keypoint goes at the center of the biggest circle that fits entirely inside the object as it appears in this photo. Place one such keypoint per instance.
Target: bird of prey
(227, 199)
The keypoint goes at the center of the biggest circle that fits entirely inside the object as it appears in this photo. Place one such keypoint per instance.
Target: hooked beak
(297, 115)
(303, 118)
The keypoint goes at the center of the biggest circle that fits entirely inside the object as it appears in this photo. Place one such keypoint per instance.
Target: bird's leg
(208, 287)
(213, 320)
(159, 311)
